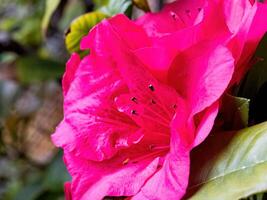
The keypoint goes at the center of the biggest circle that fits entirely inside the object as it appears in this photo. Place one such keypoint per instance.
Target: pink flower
(238, 24)
(137, 105)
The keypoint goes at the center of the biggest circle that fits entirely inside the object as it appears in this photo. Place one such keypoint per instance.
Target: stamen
(151, 87)
(163, 121)
(134, 99)
(160, 134)
(152, 154)
(167, 121)
(188, 12)
(126, 161)
(160, 147)
(153, 101)
(174, 16)
(174, 106)
(133, 112)
(199, 9)
(151, 146)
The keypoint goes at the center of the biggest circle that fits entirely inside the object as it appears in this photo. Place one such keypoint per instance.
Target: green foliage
(142, 4)
(100, 3)
(230, 165)
(51, 6)
(114, 7)
(257, 76)
(79, 28)
(235, 112)
(34, 70)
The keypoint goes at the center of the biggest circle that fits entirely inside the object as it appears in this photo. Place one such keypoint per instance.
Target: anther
(151, 87)
(151, 146)
(153, 101)
(134, 99)
(199, 9)
(174, 106)
(174, 16)
(125, 162)
(133, 112)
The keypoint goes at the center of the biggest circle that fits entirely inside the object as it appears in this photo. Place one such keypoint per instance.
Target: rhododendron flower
(137, 105)
(238, 24)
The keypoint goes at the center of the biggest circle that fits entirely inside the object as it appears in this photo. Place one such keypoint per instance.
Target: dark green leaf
(235, 112)
(230, 165)
(258, 73)
(79, 28)
(33, 69)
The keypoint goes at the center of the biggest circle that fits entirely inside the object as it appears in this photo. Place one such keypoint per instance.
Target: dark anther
(174, 16)
(134, 99)
(199, 9)
(174, 106)
(153, 101)
(151, 146)
(133, 112)
(151, 87)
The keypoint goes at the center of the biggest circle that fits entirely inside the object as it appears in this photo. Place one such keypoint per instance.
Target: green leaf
(79, 28)
(114, 7)
(257, 76)
(235, 112)
(51, 6)
(142, 4)
(100, 3)
(34, 69)
(230, 165)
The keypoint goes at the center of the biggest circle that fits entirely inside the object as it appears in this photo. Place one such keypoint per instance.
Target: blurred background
(36, 39)
(32, 57)
(33, 53)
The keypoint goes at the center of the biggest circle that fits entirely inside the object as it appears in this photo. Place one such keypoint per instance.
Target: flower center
(154, 151)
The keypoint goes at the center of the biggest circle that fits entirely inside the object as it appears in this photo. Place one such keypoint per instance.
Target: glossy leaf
(79, 28)
(51, 6)
(230, 165)
(235, 112)
(33, 70)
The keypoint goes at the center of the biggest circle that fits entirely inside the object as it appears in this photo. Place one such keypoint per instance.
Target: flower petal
(71, 68)
(208, 71)
(94, 180)
(173, 17)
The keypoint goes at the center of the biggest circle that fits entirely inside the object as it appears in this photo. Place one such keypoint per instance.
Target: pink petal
(206, 123)
(71, 68)
(94, 180)
(170, 181)
(67, 191)
(173, 17)
(134, 36)
(64, 135)
(254, 32)
(235, 12)
(208, 71)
